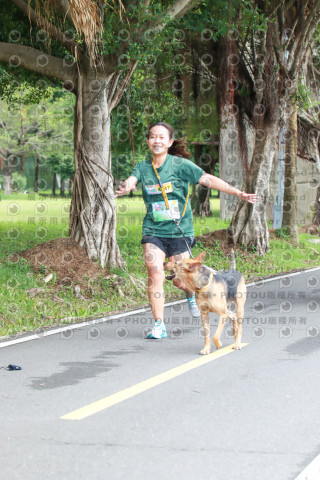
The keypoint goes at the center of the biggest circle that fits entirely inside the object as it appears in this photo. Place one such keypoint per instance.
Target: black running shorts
(170, 246)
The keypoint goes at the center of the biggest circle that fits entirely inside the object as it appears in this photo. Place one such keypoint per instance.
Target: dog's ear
(191, 267)
(201, 257)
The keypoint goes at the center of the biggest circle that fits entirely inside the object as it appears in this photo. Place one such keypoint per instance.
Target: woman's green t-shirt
(176, 173)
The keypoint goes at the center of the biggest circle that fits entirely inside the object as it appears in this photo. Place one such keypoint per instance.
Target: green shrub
(19, 182)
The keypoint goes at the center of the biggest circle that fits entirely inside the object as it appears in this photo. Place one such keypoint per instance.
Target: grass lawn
(26, 221)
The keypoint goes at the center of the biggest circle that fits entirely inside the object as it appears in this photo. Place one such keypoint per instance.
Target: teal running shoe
(193, 307)
(158, 330)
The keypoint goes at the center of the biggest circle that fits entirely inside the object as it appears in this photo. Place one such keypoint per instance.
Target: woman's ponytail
(179, 148)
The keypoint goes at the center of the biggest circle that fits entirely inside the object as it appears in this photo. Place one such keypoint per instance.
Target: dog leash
(165, 197)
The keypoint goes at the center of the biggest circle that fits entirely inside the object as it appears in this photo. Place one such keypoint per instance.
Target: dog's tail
(232, 260)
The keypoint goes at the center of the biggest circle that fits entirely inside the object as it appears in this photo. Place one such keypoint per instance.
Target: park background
(249, 114)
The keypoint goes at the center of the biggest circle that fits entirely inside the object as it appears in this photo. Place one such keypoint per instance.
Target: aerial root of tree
(93, 214)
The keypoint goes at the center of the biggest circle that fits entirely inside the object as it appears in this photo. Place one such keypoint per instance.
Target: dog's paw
(205, 351)
(236, 347)
(217, 342)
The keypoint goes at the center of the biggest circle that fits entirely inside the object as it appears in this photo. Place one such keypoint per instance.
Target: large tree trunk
(200, 198)
(201, 201)
(54, 177)
(290, 215)
(36, 174)
(235, 138)
(21, 165)
(252, 125)
(249, 223)
(62, 187)
(7, 190)
(316, 215)
(93, 211)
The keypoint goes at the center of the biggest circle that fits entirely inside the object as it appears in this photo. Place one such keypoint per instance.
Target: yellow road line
(151, 382)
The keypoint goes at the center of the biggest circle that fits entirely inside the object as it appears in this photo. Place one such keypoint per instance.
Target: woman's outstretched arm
(211, 181)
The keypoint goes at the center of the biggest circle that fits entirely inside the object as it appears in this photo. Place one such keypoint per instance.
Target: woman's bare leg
(154, 258)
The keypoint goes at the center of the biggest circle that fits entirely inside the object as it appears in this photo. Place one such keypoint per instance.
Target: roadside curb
(42, 333)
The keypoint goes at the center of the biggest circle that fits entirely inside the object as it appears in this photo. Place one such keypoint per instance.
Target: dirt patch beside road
(66, 259)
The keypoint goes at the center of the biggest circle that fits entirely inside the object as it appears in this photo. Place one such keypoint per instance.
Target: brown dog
(215, 291)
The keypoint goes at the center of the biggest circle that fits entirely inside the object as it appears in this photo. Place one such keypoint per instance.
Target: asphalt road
(251, 414)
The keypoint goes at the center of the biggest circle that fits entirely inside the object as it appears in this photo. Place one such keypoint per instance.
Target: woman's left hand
(248, 197)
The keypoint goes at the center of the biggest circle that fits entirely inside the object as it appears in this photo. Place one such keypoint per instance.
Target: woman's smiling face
(159, 140)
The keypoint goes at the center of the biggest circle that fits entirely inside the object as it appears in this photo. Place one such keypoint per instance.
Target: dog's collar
(206, 286)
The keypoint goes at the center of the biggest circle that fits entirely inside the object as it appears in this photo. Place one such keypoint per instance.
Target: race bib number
(155, 189)
(160, 212)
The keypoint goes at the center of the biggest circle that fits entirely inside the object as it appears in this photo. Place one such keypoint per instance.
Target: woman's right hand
(122, 190)
(126, 187)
